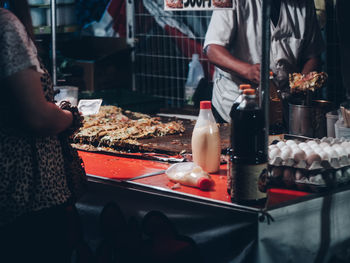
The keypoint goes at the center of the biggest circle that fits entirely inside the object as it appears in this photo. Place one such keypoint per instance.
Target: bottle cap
(195, 56)
(249, 92)
(205, 104)
(245, 86)
(204, 183)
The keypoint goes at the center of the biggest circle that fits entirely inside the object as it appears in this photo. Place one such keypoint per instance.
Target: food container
(340, 130)
(68, 93)
(309, 121)
(332, 117)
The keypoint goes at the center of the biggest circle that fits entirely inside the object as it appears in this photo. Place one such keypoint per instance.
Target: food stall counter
(224, 232)
(128, 169)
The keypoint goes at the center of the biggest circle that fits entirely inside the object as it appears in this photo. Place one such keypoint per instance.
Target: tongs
(163, 157)
(145, 175)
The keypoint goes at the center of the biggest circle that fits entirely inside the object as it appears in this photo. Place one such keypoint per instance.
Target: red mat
(218, 192)
(115, 167)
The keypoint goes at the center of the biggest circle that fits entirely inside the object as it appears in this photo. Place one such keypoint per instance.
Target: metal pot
(309, 121)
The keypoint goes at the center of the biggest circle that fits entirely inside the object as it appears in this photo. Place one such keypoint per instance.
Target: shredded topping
(300, 83)
(113, 128)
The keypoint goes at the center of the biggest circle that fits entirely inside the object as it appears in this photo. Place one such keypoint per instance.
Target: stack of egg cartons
(314, 164)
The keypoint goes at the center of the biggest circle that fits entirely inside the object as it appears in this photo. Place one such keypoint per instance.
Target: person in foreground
(233, 45)
(34, 194)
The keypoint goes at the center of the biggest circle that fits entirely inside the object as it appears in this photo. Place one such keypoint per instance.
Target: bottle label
(248, 181)
(229, 174)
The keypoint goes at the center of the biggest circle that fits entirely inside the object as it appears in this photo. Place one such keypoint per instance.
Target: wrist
(69, 116)
(74, 115)
(244, 69)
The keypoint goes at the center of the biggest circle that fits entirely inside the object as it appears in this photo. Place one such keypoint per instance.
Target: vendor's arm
(313, 42)
(30, 109)
(222, 58)
(312, 64)
(218, 39)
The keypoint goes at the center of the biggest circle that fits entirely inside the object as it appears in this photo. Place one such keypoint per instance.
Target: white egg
(298, 155)
(346, 173)
(340, 152)
(338, 175)
(311, 143)
(308, 149)
(274, 153)
(331, 152)
(289, 177)
(336, 146)
(314, 157)
(286, 153)
(290, 142)
(281, 144)
(345, 144)
(308, 152)
(273, 146)
(317, 179)
(323, 144)
(302, 145)
(294, 146)
(277, 172)
(336, 140)
(347, 150)
(286, 147)
(327, 148)
(299, 174)
(323, 155)
(317, 149)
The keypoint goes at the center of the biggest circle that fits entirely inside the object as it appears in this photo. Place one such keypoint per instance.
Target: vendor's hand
(252, 73)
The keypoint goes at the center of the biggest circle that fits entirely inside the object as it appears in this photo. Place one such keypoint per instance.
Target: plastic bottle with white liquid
(195, 74)
(206, 146)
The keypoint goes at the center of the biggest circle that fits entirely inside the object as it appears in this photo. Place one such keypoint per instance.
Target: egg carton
(325, 153)
(304, 180)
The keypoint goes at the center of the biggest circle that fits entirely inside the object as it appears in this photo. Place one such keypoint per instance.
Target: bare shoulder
(7, 16)
(9, 22)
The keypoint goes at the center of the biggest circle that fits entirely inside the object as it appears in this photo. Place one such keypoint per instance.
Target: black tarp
(316, 229)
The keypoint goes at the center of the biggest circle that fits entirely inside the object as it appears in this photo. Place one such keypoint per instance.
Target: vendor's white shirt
(296, 37)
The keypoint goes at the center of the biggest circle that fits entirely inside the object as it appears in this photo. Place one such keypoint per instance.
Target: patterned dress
(31, 168)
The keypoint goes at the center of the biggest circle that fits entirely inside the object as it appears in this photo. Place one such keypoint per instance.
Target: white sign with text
(190, 5)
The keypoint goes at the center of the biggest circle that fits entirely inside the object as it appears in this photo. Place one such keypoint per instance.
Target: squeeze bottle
(206, 146)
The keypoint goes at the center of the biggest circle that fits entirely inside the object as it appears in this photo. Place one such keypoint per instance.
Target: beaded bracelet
(77, 122)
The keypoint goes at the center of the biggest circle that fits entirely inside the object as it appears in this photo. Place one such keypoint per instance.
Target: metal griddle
(169, 144)
(174, 144)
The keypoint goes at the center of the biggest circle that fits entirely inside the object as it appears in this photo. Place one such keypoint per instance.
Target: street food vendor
(233, 45)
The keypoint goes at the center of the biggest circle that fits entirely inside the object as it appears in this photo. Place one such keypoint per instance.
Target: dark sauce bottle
(276, 127)
(249, 152)
(235, 104)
